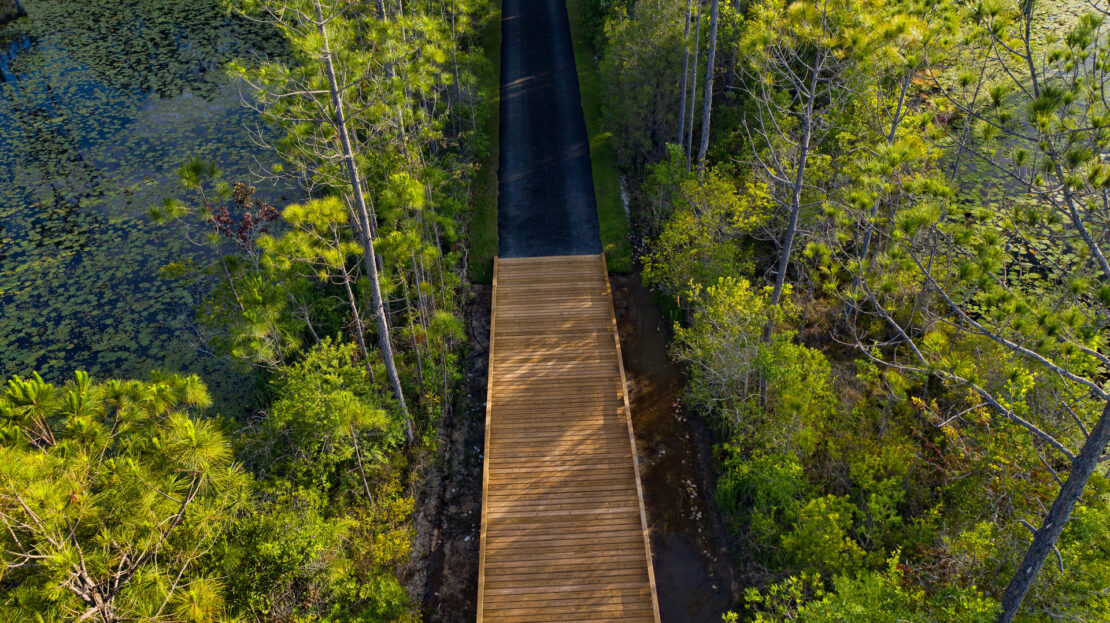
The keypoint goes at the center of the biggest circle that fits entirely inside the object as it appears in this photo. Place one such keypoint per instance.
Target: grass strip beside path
(483, 220)
(607, 180)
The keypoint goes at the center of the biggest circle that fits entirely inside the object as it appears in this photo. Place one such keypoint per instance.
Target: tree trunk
(865, 251)
(1045, 538)
(412, 337)
(685, 77)
(693, 90)
(733, 56)
(795, 210)
(361, 468)
(458, 82)
(360, 332)
(707, 95)
(369, 255)
(231, 283)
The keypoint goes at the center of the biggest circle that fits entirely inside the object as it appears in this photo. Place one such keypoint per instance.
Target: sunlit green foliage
(942, 355)
(870, 597)
(114, 494)
(322, 407)
(389, 248)
(773, 394)
(707, 233)
(331, 526)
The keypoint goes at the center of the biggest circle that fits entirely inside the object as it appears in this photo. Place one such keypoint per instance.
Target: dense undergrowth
(892, 315)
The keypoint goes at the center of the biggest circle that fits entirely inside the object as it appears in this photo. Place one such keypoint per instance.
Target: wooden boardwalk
(564, 536)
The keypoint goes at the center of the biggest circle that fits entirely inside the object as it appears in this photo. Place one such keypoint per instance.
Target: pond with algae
(100, 102)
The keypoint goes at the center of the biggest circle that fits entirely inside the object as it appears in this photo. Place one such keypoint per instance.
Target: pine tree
(113, 494)
(311, 100)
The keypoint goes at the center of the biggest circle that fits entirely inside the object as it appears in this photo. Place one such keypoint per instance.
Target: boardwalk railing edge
(632, 440)
(485, 451)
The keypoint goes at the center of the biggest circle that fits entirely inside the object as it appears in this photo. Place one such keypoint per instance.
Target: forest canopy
(141, 500)
(885, 227)
(882, 230)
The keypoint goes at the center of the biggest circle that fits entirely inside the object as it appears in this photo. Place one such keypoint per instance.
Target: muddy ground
(695, 578)
(450, 511)
(694, 575)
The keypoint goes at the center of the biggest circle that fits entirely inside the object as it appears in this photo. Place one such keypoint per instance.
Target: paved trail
(547, 204)
(564, 535)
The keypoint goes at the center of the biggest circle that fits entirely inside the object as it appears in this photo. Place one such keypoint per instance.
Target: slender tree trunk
(1045, 538)
(412, 337)
(865, 251)
(439, 266)
(308, 320)
(446, 401)
(231, 284)
(733, 56)
(1027, 19)
(107, 610)
(685, 77)
(223, 258)
(693, 89)
(360, 332)
(369, 255)
(707, 107)
(966, 131)
(891, 135)
(795, 210)
(458, 81)
(426, 305)
(361, 468)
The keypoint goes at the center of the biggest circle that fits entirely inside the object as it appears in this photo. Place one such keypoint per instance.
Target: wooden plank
(543, 479)
(570, 489)
(611, 560)
(585, 598)
(514, 529)
(536, 416)
(628, 554)
(564, 458)
(543, 577)
(563, 528)
(615, 536)
(555, 588)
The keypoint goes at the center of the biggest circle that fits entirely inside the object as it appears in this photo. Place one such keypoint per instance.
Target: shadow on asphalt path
(547, 204)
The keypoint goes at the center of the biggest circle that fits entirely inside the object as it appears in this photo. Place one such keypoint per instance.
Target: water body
(100, 102)
(694, 573)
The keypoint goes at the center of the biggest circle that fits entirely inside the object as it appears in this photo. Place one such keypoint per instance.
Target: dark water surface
(694, 574)
(100, 102)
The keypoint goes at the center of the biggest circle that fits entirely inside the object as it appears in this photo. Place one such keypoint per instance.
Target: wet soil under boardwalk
(693, 573)
(694, 576)
(451, 513)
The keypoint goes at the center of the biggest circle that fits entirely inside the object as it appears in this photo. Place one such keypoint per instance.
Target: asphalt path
(546, 204)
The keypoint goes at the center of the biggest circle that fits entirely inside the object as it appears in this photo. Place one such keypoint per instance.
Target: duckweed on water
(100, 102)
